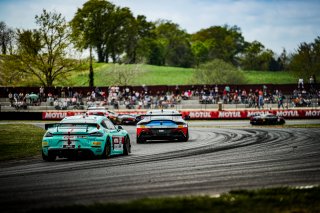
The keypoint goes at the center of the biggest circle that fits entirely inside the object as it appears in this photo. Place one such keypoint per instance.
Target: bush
(218, 72)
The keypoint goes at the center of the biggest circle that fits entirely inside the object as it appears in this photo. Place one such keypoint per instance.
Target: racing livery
(86, 135)
(266, 119)
(162, 125)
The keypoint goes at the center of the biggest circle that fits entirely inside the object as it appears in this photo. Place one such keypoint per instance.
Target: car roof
(162, 112)
(97, 108)
(267, 114)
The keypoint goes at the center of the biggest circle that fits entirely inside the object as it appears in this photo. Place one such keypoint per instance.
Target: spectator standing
(311, 81)
(63, 92)
(300, 83)
(41, 93)
(260, 99)
(10, 96)
(280, 101)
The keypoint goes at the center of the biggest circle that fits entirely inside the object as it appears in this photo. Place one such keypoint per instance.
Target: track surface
(213, 161)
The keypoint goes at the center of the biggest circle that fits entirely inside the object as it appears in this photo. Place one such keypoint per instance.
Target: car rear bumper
(165, 135)
(70, 152)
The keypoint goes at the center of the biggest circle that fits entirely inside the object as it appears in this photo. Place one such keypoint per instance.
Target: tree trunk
(91, 77)
(100, 54)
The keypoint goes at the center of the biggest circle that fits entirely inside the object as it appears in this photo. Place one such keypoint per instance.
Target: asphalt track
(219, 157)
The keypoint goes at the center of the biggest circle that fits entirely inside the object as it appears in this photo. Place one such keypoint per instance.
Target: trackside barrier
(208, 114)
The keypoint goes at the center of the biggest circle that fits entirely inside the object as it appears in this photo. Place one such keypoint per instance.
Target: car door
(116, 137)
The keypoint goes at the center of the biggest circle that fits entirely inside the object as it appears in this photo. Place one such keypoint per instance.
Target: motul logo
(229, 115)
(200, 115)
(254, 113)
(312, 113)
(54, 115)
(288, 113)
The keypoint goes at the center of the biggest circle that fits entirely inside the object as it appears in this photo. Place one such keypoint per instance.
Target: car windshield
(163, 117)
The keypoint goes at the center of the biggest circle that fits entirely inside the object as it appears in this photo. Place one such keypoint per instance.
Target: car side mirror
(120, 128)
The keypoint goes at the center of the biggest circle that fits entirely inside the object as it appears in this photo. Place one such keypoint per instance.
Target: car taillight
(182, 126)
(48, 134)
(96, 134)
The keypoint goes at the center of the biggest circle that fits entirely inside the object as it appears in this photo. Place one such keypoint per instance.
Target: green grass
(19, 141)
(160, 75)
(263, 77)
(275, 200)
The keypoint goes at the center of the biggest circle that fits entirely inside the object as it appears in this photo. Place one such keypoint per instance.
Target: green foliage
(256, 57)
(171, 46)
(111, 30)
(276, 200)
(42, 53)
(218, 72)
(224, 43)
(306, 61)
(19, 141)
(6, 38)
(200, 52)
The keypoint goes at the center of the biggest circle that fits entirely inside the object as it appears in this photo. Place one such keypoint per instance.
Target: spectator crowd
(70, 98)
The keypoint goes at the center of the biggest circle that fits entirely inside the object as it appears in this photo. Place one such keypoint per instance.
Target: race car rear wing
(146, 115)
(70, 125)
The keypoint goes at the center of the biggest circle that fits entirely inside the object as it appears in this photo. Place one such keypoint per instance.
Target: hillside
(159, 75)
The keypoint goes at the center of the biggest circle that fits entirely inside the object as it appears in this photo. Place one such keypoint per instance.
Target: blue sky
(277, 24)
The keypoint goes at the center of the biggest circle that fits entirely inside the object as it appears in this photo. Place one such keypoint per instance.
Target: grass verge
(275, 200)
(19, 141)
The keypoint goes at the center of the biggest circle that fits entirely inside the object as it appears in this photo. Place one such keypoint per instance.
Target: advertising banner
(208, 115)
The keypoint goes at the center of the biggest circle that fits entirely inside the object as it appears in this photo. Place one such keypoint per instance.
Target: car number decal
(71, 137)
(69, 144)
(117, 143)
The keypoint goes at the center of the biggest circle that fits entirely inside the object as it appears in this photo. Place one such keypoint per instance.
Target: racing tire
(51, 157)
(107, 150)
(140, 140)
(185, 139)
(44, 157)
(127, 146)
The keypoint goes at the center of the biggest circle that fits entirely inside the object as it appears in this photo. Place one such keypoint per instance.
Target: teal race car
(84, 135)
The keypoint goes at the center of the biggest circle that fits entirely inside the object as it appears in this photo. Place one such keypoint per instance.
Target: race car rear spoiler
(146, 115)
(73, 125)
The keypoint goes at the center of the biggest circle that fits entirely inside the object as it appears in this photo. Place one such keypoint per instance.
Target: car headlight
(96, 134)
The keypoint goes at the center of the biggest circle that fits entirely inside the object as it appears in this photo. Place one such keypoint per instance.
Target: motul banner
(243, 114)
(58, 115)
(207, 115)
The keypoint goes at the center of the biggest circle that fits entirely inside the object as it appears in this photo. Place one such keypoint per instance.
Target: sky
(277, 24)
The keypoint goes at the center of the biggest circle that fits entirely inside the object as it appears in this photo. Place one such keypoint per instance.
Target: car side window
(104, 124)
(109, 124)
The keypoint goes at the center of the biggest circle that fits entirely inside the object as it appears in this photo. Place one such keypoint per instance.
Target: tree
(138, 34)
(224, 43)
(256, 57)
(306, 61)
(283, 60)
(113, 31)
(6, 38)
(124, 75)
(200, 52)
(43, 52)
(173, 44)
(91, 27)
(218, 72)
